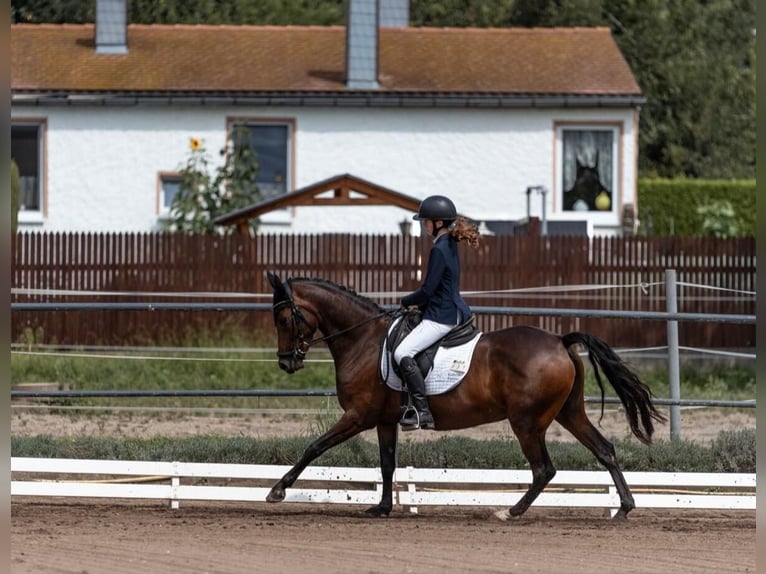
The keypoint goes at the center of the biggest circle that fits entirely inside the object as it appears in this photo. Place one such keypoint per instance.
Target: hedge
(669, 206)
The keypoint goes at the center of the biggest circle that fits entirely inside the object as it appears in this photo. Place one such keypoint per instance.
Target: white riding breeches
(425, 334)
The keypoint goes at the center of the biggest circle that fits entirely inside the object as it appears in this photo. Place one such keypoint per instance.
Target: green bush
(734, 451)
(672, 207)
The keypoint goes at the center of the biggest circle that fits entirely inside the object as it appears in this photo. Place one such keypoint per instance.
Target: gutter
(353, 99)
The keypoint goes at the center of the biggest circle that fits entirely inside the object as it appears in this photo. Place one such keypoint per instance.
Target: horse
(587, 192)
(526, 375)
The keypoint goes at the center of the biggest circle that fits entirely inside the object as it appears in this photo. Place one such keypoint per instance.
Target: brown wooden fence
(625, 274)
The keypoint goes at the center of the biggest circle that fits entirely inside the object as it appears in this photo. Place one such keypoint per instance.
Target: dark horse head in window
(587, 193)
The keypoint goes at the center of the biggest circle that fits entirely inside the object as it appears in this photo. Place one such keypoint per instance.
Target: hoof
(621, 516)
(503, 515)
(276, 495)
(378, 511)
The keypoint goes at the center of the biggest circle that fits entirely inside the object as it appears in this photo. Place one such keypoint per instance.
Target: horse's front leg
(344, 429)
(387, 435)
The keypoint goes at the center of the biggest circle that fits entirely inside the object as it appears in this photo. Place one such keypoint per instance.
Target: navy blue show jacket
(439, 297)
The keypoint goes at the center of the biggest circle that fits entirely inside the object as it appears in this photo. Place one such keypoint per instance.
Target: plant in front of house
(718, 219)
(203, 197)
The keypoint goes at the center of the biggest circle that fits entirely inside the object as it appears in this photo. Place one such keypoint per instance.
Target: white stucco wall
(103, 162)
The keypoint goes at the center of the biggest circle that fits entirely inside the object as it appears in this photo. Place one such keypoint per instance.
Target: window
(170, 184)
(588, 168)
(27, 151)
(272, 142)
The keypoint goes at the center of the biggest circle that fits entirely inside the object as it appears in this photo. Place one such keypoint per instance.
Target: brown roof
(574, 61)
(346, 190)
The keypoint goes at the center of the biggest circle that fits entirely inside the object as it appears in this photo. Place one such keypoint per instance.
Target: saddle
(459, 334)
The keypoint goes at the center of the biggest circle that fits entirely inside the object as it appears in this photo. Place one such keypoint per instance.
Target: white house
(102, 116)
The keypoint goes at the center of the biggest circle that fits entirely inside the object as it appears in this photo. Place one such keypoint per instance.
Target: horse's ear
(578, 164)
(274, 280)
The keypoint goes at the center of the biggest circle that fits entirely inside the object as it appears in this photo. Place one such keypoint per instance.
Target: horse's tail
(635, 396)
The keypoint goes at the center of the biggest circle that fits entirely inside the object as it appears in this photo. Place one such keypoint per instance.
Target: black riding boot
(418, 415)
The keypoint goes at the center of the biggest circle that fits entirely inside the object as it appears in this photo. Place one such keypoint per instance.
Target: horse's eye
(282, 321)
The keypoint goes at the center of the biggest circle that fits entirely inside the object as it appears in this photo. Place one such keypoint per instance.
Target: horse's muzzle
(290, 365)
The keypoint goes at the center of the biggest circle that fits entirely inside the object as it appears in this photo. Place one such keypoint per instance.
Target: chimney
(111, 26)
(362, 45)
(394, 13)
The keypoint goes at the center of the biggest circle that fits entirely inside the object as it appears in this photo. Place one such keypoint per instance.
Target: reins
(352, 327)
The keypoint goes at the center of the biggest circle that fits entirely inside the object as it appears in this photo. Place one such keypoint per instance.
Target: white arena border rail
(413, 486)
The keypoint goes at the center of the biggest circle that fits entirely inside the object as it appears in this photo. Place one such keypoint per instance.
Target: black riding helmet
(436, 207)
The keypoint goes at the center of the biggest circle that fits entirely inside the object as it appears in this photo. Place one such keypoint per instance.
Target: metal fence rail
(31, 394)
(476, 309)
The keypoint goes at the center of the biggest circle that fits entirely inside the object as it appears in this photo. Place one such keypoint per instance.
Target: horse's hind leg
(574, 419)
(532, 443)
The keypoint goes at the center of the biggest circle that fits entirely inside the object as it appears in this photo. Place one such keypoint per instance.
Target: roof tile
(579, 61)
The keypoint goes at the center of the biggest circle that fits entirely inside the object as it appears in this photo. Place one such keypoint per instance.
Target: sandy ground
(122, 538)
(94, 536)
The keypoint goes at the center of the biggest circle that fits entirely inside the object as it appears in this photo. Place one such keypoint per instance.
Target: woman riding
(438, 298)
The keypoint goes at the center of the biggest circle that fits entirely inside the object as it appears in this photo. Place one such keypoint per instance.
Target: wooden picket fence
(623, 273)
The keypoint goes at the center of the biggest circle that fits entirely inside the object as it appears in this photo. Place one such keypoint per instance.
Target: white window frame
(35, 216)
(611, 216)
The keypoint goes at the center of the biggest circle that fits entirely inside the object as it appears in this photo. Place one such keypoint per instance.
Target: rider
(438, 298)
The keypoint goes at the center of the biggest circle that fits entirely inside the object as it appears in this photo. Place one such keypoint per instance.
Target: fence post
(674, 377)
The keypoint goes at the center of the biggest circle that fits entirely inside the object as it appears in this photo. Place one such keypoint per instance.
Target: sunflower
(195, 144)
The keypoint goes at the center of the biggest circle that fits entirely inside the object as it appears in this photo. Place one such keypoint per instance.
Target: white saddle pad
(450, 366)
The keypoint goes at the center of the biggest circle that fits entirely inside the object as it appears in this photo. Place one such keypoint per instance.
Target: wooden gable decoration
(339, 190)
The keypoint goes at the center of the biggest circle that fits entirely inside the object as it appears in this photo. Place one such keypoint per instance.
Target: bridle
(299, 351)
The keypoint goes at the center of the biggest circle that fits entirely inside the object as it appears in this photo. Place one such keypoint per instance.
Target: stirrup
(408, 426)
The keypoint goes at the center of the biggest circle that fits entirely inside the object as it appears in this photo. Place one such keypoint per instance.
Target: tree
(462, 13)
(202, 198)
(56, 12)
(695, 62)
(536, 13)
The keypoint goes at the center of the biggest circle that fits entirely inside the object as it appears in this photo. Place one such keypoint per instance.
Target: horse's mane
(362, 301)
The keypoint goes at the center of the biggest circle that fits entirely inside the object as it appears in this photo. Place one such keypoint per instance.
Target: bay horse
(526, 375)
